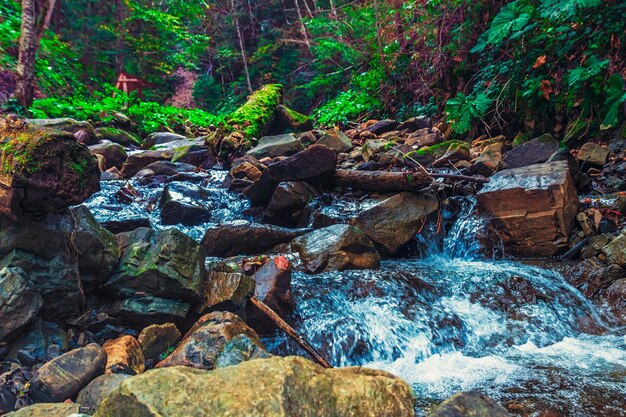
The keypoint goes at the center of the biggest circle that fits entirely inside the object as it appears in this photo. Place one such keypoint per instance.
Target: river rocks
(186, 204)
(194, 154)
(240, 349)
(532, 152)
(160, 138)
(591, 276)
(531, 208)
(290, 386)
(139, 160)
(206, 339)
(97, 390)
(18, 302)
(592, 154)
(615, 251)
(273, 146)
(55, 279)
(164, 263)
(395, 220)
(313, 162)
(65, 376)
(617, 299)
(467, 404)
(114, 154)
(337, 140)
(124, 353)
(337, 247)
(157, 339)
(47, 410)
(44, 171)
(381, 126)
(245, 238)
(118, 136)
(292, 120)
(68, 125)
(489, 160)
(226, 291)
(145, 310)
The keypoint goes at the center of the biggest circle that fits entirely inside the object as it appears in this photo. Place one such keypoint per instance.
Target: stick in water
(283, 325)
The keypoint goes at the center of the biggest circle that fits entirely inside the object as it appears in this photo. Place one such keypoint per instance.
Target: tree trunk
(25, 86)
(303, 27)
(379, 38)
(241, 45)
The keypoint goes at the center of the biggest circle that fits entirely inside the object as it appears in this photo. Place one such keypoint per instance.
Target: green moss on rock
(256, 116)
(440, 149)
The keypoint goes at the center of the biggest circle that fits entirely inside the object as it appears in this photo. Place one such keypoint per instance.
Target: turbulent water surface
(447, 321)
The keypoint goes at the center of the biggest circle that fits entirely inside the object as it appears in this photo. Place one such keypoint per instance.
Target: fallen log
(283, 325)
(382, 180)
(471, 178)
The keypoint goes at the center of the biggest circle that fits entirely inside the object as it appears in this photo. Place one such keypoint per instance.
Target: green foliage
(508, 24)
(462, 110)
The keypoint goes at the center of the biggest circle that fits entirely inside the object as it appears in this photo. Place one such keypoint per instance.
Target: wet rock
(291, 386)
(532, 152)
(292, 120)
(125, 352)
(97, 390)
(143, 311)
(206, 340)
(592, 154)
(337, 140)
(532, 208)
(126, 225)
(458, 151)
(394, 221)
(338, 247)
(118, 136)
(18, 302)
(273, 146)
(113, 153)
(139, 160)
(615, 251)
(489, 160)
(382, 126)
(194, 154)
(186, 204)
(245, 238)
(313, 162)
(616, 296)
(591, 276)
(65, 376)
(46, 410)
(226, 291)
(160, 138)
(55, 279)
(157, 339)
(594, 245)
(467, 404)
(290, 197)
(164, 263)
(240, 349)
(38, 344)
(45, 171)
(165, 168)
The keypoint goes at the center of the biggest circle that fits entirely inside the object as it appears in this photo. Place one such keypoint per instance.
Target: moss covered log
(256, 116)
(43, 170)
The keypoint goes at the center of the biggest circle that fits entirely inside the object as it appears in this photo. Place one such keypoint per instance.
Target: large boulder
(533, 152)
(114, 154)
(19, 303)
(160, 138)
(273, 146)
(226, 291)
(124, 352)
(186, 204)
(200, 347)
(593, 154)
(136, 161)
(245, 238)
(157, 339)
(43, 171)
(337, 140)
(394, 221)
(336, 248)
(164, 263)
(76, 236)
(275, 387)
(532, 208)
(47, 410)
(64, 376)
(287, 118)
(142, 311)
(55, 279)
(97, 390)
(467, 404)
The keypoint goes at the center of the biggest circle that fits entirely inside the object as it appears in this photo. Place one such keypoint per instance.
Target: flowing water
(449, 320)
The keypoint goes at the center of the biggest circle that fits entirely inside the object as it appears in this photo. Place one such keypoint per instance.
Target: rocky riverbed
(435, 266)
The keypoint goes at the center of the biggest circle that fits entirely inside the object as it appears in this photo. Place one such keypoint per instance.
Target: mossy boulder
(43, 170)
(118, 136)
(47, 410)
(440, 149)
(256, 116)
(70, 125)
(275, 387)
(290, 119)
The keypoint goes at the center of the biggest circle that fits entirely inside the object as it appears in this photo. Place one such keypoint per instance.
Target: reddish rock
(124, 351)
(532, 208)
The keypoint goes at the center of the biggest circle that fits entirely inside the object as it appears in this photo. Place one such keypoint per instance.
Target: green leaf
(558, 9)
(615, 96)
(511, 19)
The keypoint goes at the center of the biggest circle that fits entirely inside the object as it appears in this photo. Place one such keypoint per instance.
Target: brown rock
(226, 291)
(139, 160)
(532, 152)
(615, 251)
(125, 351)
(489, 160)
(617, 299)
(113, 153)
(593, 154)
(97, 390)
(157, 339)
(468, 404)
(531, 208)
